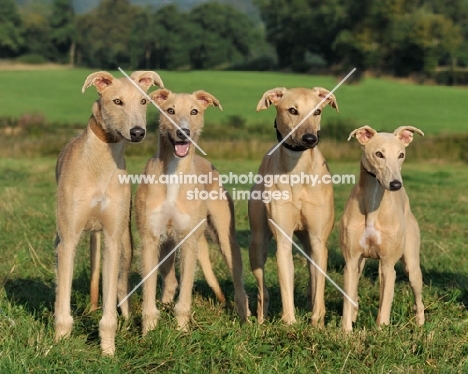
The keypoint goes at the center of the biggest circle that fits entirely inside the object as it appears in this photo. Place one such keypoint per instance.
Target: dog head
(384, 153)
(297, 105)
(187, 111)
(121, 107)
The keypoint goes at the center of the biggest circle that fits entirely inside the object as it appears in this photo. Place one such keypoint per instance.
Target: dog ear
(363, 134)
(331, 99)
(207, 99)
(100, 79)
(146, 79)
(160, 96)
(405, 134)
(272, 96)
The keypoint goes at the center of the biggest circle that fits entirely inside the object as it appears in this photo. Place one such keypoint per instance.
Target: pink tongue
(181, 150)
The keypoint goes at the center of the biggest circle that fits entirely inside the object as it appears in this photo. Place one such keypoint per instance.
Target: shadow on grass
(35, 295)
(449, 285)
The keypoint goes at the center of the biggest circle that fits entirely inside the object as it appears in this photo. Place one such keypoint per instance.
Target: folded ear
(206, 99)
(161, 95)
(272, 96)
(100, 79)
(331, 99)
(363, 134)
(405, 134)
(146, 79)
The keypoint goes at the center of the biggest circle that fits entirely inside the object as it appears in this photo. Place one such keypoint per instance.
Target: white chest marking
(101, 201)
(370, 235)
(168, 215)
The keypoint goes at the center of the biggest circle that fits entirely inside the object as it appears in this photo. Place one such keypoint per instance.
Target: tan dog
(91, 197)
(167, 213)
(308, 211)
(378, 223)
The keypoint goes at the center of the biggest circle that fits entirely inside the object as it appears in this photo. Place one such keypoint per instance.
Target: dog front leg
(258, 251)
(110, 272)
(352, 273)
(387, 277)
(65, 253)
(319, 254)
(413, 269)
(150, 249)
(284, 260)
(188, 263)
(125, 264)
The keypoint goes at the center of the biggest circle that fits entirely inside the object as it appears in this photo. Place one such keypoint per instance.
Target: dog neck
(293, 148)
(102, 147)
(372, 193)
(97, 129)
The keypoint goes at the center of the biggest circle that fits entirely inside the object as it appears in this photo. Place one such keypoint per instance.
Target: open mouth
(181, 148)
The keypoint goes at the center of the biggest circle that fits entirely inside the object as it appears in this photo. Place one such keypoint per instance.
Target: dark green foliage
(11, 39)
(63, 32)
(380, 35)
(104, 35)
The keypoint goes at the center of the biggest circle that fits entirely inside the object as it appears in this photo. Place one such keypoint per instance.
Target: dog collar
(294, 148)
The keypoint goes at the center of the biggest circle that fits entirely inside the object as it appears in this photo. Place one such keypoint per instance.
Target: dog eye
(401, 155)
(193, 112)
(118, 102)
(379, 154)
(143, 101)
(317, 112)
(171, 111)
(293, 111)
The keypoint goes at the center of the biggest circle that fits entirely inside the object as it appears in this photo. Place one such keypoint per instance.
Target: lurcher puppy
(308, 209)
(90, 197)
(378, 223)
(167, 213)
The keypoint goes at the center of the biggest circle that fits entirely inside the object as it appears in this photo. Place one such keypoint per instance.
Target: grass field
(380, 103)
(217, 343)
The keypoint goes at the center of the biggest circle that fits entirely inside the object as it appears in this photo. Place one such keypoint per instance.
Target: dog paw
(63, 327)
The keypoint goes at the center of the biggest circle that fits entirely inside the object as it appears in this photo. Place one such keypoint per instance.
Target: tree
(104, 34)
(421, 40)
(174, 35)
(221, 35)
(141, 41)
(11, 39)
(36, 31)
(62, 30)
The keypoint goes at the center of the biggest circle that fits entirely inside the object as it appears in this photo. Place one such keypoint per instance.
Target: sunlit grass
(217, 342)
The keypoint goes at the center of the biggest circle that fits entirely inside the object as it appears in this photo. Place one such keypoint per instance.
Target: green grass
(217, 343)
(380, 103)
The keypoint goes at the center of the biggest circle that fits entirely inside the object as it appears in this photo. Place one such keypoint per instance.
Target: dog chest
(370, 241)
(167, 217)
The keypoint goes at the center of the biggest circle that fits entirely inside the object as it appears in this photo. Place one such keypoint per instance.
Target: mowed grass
(216, 342)
(380, 103)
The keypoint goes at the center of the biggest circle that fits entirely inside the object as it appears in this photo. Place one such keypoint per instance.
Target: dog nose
(183, 134)
(310, 139)
(395, 185)
(137, 134)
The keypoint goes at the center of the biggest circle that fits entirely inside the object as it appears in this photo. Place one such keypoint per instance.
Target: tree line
(398, 37)
(395, 36)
